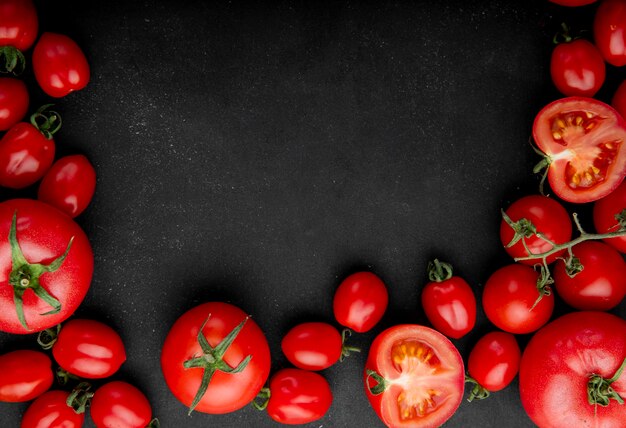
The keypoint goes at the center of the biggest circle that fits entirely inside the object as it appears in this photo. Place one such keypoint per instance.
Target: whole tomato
(13, 102)
(360, 301)
(577, 68)
(119, 404)
(609, 214)
(217, 342)
(448, 301)
(69, 184)
(570, 372)
(50, 410)
(618, 102)
(46, 264)
(609, 31)
(18, 24)
(60, 65)
(25, 375)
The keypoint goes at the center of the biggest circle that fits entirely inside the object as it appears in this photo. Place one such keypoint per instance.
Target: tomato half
(609, 31)
(51, 410)
(312, 345)
(607, 214)
(18, 23)
(25, 375)
(583, 141)
(360, 301)
(414, 377)
(569, 362)
(119, 404)
(577, 68)
(13, 102)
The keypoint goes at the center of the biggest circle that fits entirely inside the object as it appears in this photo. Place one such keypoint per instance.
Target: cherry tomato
(573, 3)
(120, 405)
(582, 140)
(25, 375)
(13, 102)
(298, 397)
(18, 23)
(532, 215)
(618, 102)
(60, 65)
(69, 185)
(566, 372)
(600, 286)
(50, 410)
(414, 377)
(606, 213)
(360, 301)
(314, 346)
(609, 31)
(511, 300)
(448, 301)
(577, 68)
(51, 273)
(493, 363)
(223, 333)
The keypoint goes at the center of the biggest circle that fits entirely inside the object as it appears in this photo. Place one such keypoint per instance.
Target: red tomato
(618, 102)
(414, 377)
(13, 101)
(577, 68)
(582, 140)
(510, 300)
(60, 65)
(604, 216)
(120, 405)
(25, 375)
(205, 333)
(18, 23)
(573, 3)
(298, 397)
(50, 410)
(360, 301)
(69, 185)
(89, 349)
(493, 363)
(313, 345)
(569, 358)
(48, 282)
(600, 286)
(448, 301)
(546, 216)
(609, 31)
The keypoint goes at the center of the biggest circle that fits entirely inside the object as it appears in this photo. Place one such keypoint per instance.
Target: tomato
(573, 356)
(493, 363)
(582, 140)
(298, 397)
(120, 405)
(414, 377)
(532, 215)
(513, 301)
(18, 23)
(13, 102)
(46, 264)
(609, 31)
(60, 65)
(50, 410)
(448, 301)
(69, 185)
(573, 3)
(25, 375)
(618, 102)
(577, 68)
(360, 301)
(224, 334)
(608, 212)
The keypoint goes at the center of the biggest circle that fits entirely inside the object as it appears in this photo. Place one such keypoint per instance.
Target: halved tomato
(414, 377)
(583, 141)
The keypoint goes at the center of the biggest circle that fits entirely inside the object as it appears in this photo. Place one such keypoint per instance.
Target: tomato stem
(345, 349)
(154, 423)
(262, 399)
(439, 271)
(14, 61)
(80, 397)
(599, 390)
(48, 337)
(47, 122)
(381, 386)
(478, 391)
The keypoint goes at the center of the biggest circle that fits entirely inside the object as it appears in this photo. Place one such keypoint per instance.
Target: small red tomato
(448, 301)
(514, 302)
(608, 213)
(360, 301)
(60, 65)
(577, 68)
(25, 375)
(89, 349)
(618, 102)
(69, 184)
(50, 410)
(18, 23)
(13, 102)
(493, 363)
(298, 397)
(609, 31)
(120, 405)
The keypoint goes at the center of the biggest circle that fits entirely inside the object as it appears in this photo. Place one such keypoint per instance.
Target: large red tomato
(608, 213)
(18, 23)
(46, 264)
(567, 369)
(25, 375)
(609, 31)
(219, 342)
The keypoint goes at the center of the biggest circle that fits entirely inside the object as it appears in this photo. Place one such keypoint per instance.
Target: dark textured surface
(258, 154)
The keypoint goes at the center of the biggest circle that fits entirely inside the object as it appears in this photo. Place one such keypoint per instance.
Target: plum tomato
(51, 410)
(18, 23)
(577, 68)
(609, 31)
(360, 301)
(14, 100)
(609, 213)
(25, 376)
(119, 404)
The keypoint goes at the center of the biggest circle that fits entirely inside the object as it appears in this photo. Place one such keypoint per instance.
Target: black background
(259, 153)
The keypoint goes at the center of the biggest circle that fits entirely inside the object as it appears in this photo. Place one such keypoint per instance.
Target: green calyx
(48, 122)
(80, 398)
(599, 390)
(439, 271)
(212, 360)
(345, 349)
(478, 392)
(14, 61)
(381, 383)
(154, 423)
(48, 337)
(262, 399)
(522, 229)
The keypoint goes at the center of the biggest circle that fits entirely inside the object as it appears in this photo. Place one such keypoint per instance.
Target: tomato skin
(577, 68)
(360, 301)
(69, 185)
(450, 306)
(14, 100)
(18, 23)
(609, 31)
(618, 102)
(226, 392)
(60, 65)
(51, 411)
(298, 397)
(25, 375)
(604, 212)
(312, 345)
(434, 351)
(43, 234)
(556, 366)
(508, 298)
(494, 360)
(119, 404)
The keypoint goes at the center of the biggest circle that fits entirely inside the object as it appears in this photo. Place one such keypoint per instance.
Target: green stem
(478, 392)
(599, 390)
(345, 349)
(439, 271)
(381, 386)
